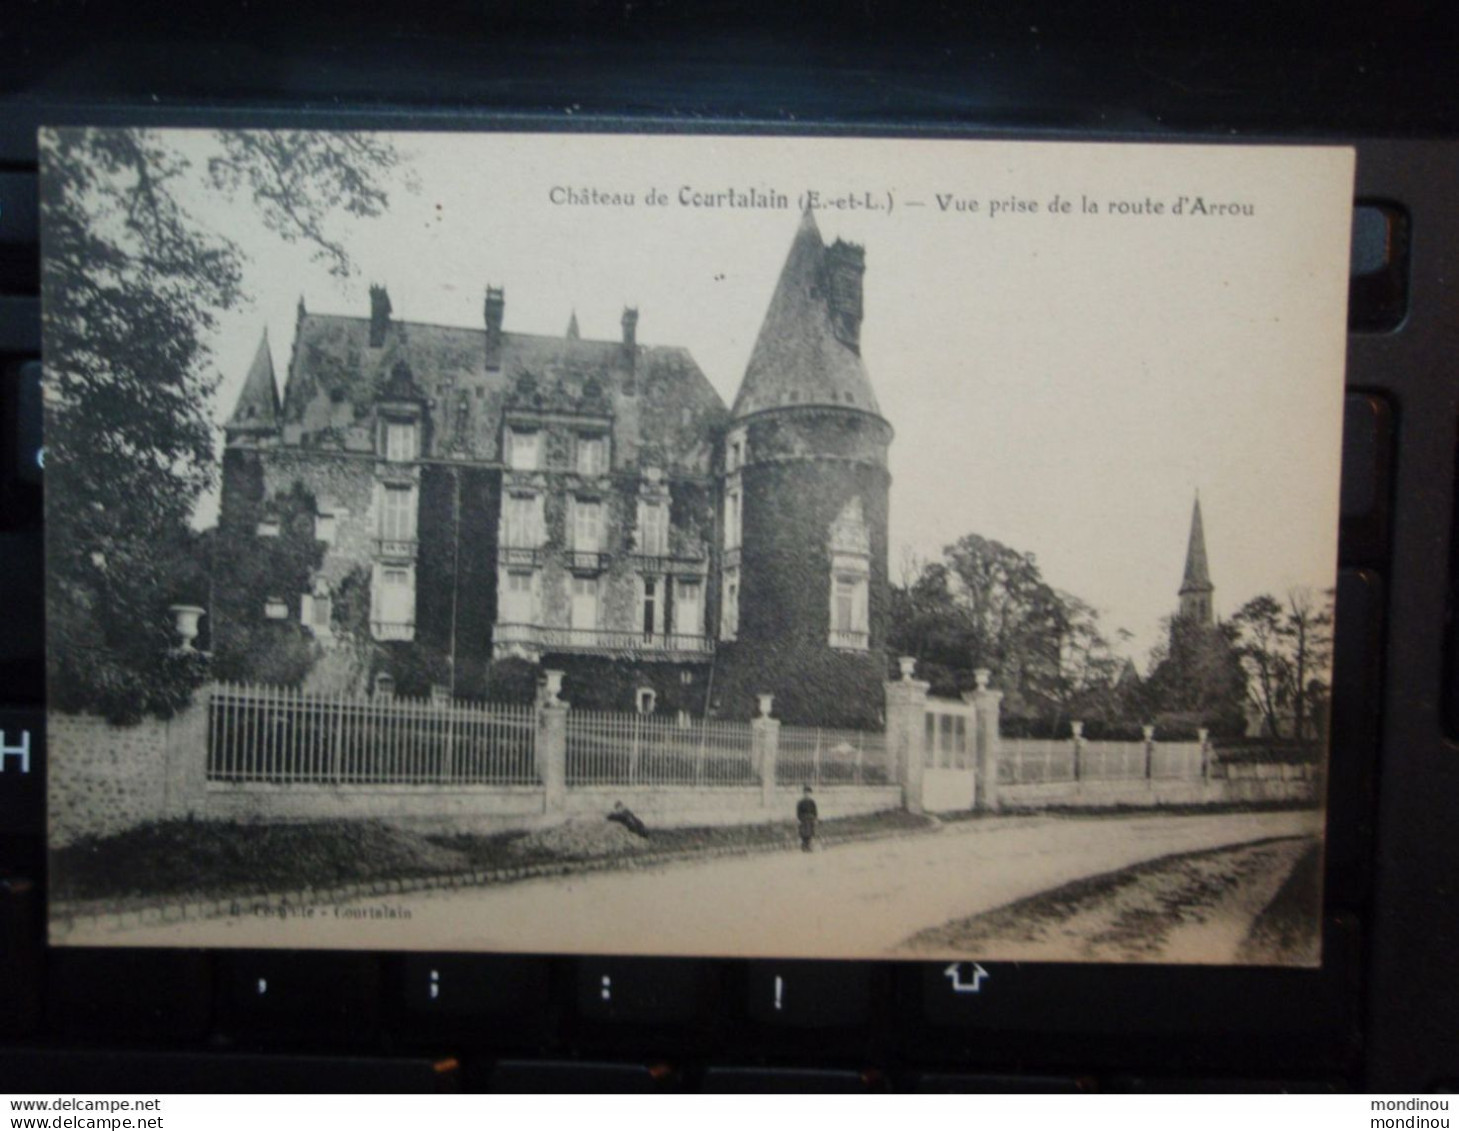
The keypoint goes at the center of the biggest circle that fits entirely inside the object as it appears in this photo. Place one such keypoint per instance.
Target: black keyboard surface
(1377, 1015)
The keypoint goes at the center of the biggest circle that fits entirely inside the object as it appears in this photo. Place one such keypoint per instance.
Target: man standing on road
(806, 814)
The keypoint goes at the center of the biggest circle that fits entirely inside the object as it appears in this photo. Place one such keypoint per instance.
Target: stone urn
(185, 620)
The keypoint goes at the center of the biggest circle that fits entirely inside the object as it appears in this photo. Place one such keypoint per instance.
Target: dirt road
(857, 900)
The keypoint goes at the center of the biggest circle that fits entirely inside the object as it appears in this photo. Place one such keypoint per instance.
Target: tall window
(517, 605)
(689, 607)
(587, 525)
(393, 604)
(523, 527)
(729, 621)
(732, 520)
(584, 603)
(524, 449)
(653, 529)
(849, 628)
(400, 444)
(592, 455)
(845, 603)
(650, 607)
(397, 514)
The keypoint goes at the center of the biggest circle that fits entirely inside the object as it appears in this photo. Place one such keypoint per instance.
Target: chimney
(630, 350)
(845, 265)
(496, 304)
(379, 314)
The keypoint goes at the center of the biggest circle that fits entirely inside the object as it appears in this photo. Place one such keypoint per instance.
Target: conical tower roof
(257, 409)
(1197, 573)
(572, 328)
(798, 358)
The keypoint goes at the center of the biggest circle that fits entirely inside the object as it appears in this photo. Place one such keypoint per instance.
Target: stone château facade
(442, 506)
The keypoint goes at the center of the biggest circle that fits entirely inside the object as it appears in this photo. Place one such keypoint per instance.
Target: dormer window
(592, 455)
(400, 441)
(524, 449)
(316, 609)
(326, 526)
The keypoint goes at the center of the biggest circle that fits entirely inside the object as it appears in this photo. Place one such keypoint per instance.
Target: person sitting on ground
(806, 814)
(628, 819)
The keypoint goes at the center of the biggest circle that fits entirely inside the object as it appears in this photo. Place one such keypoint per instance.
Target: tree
(1196, 678)
(1287, 650)
(986, 605)
(133, 284)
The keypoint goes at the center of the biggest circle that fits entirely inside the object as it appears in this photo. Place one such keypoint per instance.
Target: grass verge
(193, 859)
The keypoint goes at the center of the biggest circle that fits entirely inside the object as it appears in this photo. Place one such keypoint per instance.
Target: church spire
(1196, 587)
(572, 327)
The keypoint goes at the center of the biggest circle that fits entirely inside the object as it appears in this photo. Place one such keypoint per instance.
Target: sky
(1061, 381)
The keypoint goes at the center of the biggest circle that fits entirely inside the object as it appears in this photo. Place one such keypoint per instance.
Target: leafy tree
(1196, 678)
(132, 287)
(986, 605)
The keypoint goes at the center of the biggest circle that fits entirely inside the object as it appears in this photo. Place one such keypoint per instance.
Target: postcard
(588, 543)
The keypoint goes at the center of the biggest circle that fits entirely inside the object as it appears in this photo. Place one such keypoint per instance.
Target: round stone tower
(803, 565)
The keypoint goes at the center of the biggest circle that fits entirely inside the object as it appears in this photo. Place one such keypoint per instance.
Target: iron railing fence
(281, 735)
(825, 756)
(612, 748)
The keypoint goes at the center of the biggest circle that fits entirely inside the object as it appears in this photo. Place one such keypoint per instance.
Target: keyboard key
(783, 1080)
(22, 573)
(20, 956)
(1047, 1013)
(25, 440)
(19, 209)
(481, 995)
(130, 1073)
(302, 996)
(22, 771)
(19, 234)
(1367, 466)
(20, 324)
(141, 994)
(1378, 271)
(809, 995)
(642, 991)
(1356, 700)
(572, 1077)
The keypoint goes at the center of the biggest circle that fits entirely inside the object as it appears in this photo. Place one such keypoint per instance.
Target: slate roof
(1197, 572)
(663, 407)
(257, 409)
(798, 359)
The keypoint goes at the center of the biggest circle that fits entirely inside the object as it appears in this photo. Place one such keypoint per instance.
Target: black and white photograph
(746, 546)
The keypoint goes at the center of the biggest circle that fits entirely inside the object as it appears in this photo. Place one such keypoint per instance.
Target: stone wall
(1293, 787)
(102, 778)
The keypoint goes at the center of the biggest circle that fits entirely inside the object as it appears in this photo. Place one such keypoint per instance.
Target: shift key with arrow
(966, 977)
